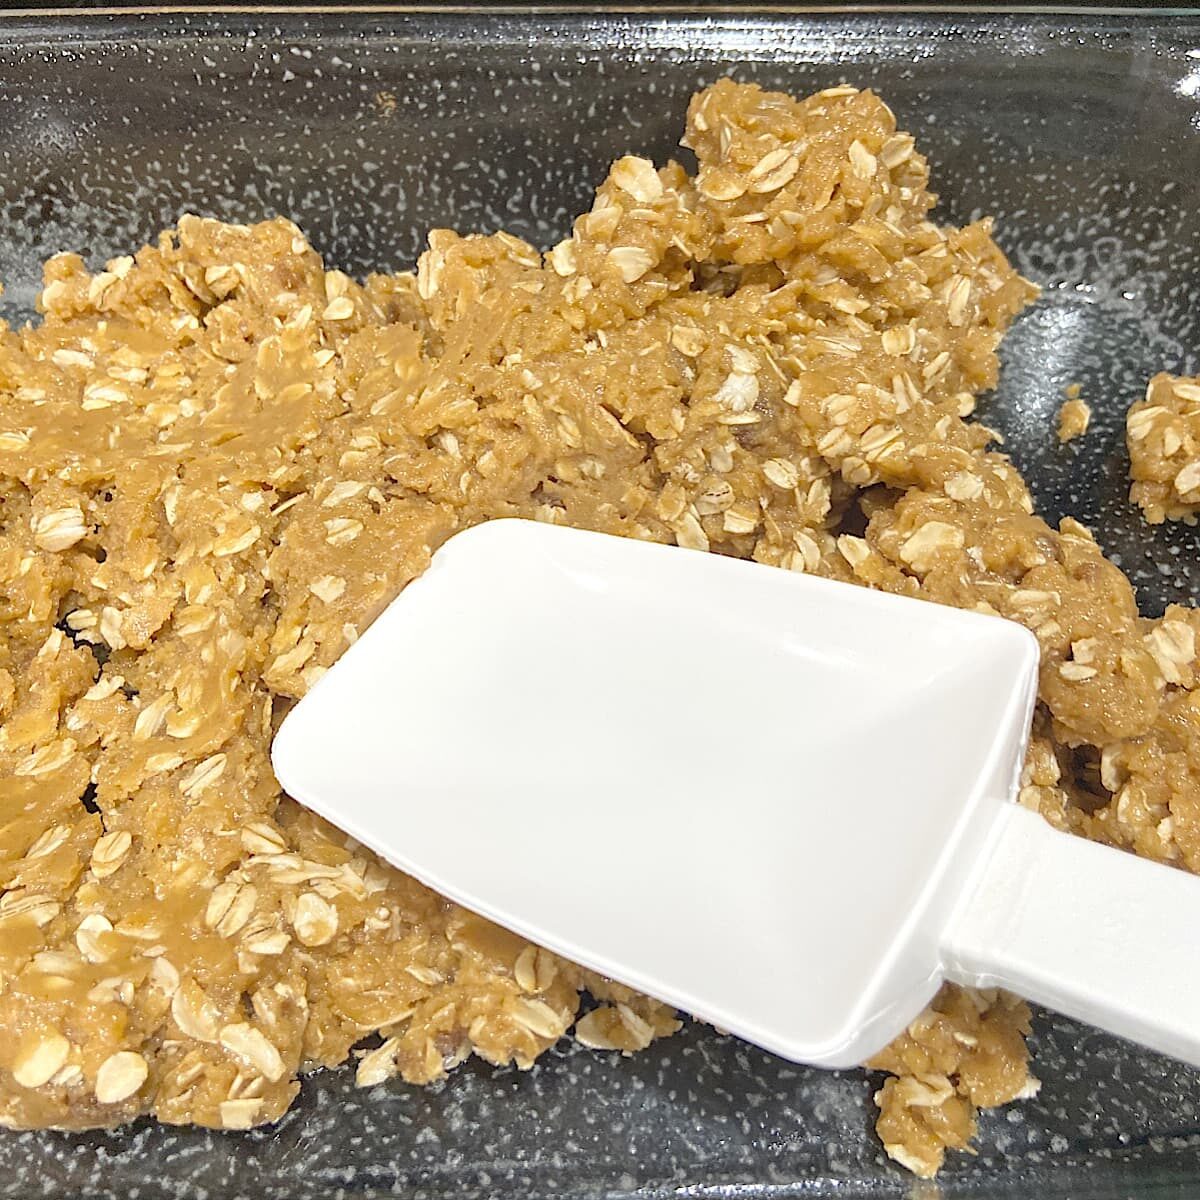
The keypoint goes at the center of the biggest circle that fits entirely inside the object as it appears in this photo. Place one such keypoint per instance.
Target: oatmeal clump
(219, 461)
(1163, 435)
(1074, 416)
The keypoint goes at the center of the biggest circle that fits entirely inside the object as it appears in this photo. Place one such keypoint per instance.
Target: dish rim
(728, 11)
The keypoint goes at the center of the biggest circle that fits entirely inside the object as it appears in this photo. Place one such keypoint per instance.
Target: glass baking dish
(1080, 132)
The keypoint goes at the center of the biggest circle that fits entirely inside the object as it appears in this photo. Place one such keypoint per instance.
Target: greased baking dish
(1077, 132)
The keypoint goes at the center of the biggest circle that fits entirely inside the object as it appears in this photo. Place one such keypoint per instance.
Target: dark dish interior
(1081, 134)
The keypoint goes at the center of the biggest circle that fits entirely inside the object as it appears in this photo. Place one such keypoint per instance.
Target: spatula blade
(752, 793)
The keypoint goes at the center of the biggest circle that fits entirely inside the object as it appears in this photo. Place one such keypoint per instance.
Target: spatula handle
(1092, 932)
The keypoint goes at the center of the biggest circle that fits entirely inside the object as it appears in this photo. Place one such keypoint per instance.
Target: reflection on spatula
(781, 803)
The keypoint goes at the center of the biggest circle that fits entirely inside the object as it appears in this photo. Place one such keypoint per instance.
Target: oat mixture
(219, 461)
(1074, 416)
(1163, 434)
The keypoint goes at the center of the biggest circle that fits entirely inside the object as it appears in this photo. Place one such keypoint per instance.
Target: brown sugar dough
(219, 461)
(1163, 435)
(1074, 416)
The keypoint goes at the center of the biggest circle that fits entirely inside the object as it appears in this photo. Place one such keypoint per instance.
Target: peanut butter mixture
(219, 461)
(1163, 434)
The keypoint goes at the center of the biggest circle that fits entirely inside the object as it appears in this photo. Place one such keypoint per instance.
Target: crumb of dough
(220, 459)
(965, 1052)
(1163, 435)
(1074, 417)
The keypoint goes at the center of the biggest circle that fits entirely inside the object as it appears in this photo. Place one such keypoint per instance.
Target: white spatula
(780, 803)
